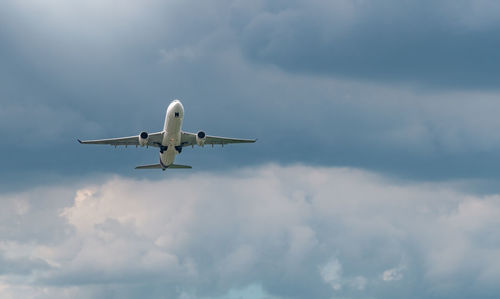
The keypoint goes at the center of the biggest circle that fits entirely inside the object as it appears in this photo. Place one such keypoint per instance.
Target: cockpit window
(176, 114)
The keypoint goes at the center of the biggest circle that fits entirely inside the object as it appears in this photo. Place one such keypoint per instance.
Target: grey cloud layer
(90, 70)
(287, 232)
(442, 43)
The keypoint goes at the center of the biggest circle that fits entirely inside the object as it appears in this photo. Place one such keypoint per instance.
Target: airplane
(170, 141)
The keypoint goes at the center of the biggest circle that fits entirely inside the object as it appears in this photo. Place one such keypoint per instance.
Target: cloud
(177, 54)
(287, 232)
(393, 273)
(331, 274)
(401, 88)
(76, 70)
(437, 43)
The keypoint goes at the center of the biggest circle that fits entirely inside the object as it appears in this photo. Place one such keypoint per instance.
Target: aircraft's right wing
(153, 140)
(188, 139)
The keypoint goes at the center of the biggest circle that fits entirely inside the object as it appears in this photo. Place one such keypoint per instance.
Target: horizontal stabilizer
(158, 166)
(151, 166)
(178, 166)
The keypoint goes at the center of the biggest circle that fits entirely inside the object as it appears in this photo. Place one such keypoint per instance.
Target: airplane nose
(176, 106)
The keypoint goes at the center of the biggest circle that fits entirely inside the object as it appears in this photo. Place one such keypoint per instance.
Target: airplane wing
(154, 140)
(189, 139)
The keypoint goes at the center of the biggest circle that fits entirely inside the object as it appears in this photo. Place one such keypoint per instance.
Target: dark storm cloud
(442, 43)
(94, 70)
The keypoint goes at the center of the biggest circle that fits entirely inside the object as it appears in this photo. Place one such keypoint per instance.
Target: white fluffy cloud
(393, 273)
(288, 232)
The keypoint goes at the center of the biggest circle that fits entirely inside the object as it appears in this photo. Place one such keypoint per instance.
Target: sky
(375, 175)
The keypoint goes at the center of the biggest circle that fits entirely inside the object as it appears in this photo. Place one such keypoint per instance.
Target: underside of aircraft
(170, 141)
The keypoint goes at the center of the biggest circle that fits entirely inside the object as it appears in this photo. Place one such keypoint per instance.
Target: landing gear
(164, 148)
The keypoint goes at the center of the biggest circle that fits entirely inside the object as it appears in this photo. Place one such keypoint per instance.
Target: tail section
(159, 166)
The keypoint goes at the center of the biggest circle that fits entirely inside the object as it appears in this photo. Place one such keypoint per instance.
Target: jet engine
(143, 138)
(201, 137)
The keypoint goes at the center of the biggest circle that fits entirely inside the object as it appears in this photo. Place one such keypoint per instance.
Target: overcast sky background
(376, 173)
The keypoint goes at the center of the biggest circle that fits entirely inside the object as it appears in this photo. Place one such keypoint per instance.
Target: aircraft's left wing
(154, 140)
(188, 139)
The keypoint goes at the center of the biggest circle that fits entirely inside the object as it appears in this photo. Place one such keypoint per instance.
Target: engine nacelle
(201, 137)
(143, 138)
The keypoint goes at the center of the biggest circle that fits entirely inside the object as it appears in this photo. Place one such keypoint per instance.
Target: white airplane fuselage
(171, 133)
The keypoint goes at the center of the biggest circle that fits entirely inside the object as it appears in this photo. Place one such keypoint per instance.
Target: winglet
(79, 140)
